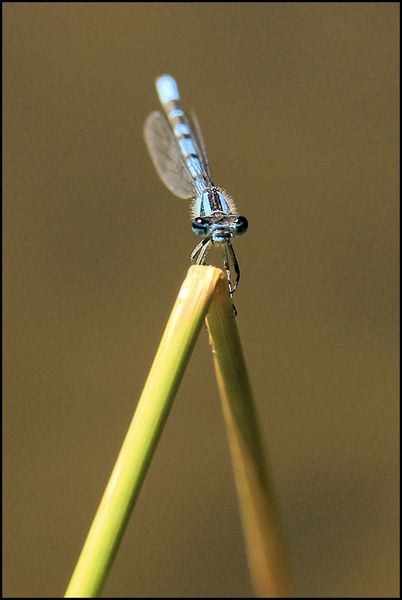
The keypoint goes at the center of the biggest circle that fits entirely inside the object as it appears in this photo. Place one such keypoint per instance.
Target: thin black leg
(199, 253)
(235, 265)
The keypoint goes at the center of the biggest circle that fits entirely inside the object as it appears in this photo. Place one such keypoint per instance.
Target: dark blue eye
(200, 226)
(240, 225)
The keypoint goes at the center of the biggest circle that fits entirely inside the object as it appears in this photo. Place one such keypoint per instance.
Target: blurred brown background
(298, 103)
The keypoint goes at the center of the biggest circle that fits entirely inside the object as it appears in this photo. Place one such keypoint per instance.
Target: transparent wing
(166, 156)
(199, 138)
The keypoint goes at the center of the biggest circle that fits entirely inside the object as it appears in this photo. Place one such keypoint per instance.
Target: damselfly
(177, 150)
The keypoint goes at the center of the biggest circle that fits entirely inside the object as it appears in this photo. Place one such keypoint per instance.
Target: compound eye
(240, 225)
(200, 226)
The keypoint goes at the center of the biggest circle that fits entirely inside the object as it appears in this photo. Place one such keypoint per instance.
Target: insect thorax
(213, 200)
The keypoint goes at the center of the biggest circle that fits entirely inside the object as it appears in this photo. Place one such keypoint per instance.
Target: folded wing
(166, 156)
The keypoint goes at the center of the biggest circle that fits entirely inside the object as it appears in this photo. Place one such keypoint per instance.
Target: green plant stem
(261, 526)
(125, 482)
